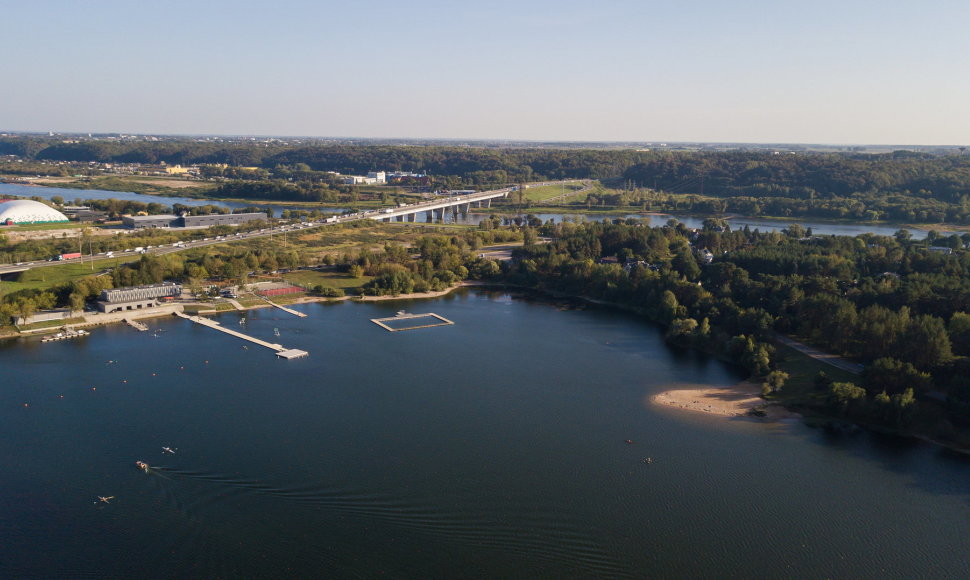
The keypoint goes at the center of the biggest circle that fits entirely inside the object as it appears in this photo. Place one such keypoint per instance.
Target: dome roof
(25, 211)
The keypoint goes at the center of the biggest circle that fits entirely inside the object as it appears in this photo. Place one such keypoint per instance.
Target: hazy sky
(819, 71)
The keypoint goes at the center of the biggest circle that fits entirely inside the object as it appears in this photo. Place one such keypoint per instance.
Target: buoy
(629, 441)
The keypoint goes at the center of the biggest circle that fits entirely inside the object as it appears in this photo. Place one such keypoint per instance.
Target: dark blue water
(492, 448)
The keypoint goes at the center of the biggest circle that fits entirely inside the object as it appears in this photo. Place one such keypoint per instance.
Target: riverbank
(741, 400)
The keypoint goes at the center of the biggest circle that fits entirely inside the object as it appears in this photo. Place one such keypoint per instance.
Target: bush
(328, 291)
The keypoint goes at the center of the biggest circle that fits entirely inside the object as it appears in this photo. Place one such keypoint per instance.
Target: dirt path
(827, 358)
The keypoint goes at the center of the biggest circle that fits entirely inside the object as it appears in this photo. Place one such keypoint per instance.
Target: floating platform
(291, 353)
(431, 319)
(66, 334)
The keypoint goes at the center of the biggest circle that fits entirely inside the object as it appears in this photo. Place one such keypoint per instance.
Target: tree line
(895, 304)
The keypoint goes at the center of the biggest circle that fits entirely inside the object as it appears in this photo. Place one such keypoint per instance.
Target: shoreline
(740, 400)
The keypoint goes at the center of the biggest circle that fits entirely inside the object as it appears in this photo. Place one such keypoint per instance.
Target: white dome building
(25, 211)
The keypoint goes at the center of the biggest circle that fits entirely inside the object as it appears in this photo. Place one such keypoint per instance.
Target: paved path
(827, 358)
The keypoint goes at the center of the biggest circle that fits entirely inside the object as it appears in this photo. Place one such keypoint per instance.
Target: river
(71, 195)
(763, 224)
(492, 448)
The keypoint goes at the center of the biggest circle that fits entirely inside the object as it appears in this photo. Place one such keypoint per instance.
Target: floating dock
(67, 333)
(281, 351)
(438, 321)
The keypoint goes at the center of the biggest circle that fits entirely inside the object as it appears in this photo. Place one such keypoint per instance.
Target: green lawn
(53, 323)
(47, 277)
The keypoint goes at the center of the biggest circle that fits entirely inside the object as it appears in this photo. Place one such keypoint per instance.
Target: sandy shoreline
(736, 401)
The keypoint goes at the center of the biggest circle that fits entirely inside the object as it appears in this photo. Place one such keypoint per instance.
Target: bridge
(435, 209)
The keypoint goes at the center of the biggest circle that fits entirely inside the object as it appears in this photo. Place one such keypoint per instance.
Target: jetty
(136, 325)
(283, 308)
(281, 351)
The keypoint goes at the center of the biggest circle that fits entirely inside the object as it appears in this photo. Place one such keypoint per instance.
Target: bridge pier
(429, 216)
(400, 218)
(412, 216)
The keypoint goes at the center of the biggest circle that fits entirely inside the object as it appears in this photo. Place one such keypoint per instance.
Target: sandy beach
(735, 401)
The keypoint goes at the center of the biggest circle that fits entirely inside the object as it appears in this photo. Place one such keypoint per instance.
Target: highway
(384, 214)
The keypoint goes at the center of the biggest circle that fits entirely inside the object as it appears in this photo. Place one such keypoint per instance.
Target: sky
(748, 71)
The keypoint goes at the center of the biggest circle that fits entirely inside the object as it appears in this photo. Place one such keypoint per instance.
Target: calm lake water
(493, 448)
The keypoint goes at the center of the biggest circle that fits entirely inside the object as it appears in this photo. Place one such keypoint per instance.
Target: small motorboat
(141, 465)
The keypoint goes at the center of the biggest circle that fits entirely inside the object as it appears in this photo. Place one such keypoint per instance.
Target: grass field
(47, 277)
(544, 192)
(802, 369)
(133, 183)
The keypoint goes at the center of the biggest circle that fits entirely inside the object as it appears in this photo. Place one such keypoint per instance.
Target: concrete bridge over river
(436, 209)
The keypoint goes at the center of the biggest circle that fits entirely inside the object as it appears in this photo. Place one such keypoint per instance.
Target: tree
(926, 343)
(76, 300)
(845, 396)
(774, 381)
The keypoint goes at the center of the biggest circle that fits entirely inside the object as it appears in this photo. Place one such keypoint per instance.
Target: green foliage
(846, 396)
(328, 291)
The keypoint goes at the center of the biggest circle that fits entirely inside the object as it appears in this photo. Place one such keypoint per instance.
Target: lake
(492, 448)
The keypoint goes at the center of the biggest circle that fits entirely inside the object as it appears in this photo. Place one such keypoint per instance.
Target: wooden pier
(283, 308)
(281, 351)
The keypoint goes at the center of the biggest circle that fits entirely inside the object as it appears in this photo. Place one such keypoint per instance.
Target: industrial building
(232, 219)
(149, 221)
(26, 211)
(136, 297)
(372, 178)
(191, 221)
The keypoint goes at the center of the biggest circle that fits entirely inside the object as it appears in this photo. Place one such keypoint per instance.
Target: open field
(43, 278)
(802, 370)
(543, 192)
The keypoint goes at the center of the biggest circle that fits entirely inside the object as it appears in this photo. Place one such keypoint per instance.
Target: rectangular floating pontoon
(411, 321)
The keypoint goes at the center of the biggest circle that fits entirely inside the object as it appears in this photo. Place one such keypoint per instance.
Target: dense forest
(801, 175)
(894, 304)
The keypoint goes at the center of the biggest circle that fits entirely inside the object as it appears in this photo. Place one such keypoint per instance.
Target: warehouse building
(137, 297)
(191, 221)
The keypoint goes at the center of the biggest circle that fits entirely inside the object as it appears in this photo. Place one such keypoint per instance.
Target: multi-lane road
(378, 214)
